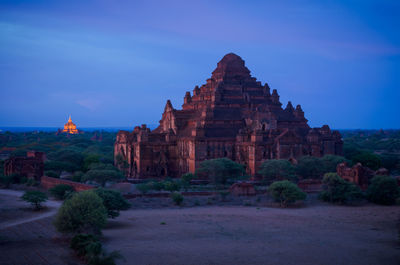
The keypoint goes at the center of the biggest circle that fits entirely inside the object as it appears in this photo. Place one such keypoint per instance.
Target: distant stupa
(70, 127)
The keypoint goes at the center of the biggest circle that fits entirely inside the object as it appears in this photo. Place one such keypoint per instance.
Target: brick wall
(48, 183)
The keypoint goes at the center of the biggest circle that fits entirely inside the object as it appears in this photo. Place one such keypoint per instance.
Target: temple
(233, 115)
(70, 127)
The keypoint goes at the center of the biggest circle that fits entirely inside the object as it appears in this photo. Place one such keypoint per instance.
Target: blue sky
(115, 63)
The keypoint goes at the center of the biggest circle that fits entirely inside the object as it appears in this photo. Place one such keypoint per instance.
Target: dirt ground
(317, 233)
(28, 237)
(213, 230)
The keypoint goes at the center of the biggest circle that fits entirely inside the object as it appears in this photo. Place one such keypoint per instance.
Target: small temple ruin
(31, 166)
(233, 115)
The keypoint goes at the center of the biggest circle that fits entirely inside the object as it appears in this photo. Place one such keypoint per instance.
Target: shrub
(6, 181)
(113, 201)
(80, 241)
(157, 185)
(90, 248)
(383, 190)
(274, 169)
(36, 198)
(286, 192)
(60, 191)
(177, 198)
(31, 182)
(185, 180)
(84, 211)
(171, 186)
(77, 176)
(51, 174)
(143, 187)
(338, 190)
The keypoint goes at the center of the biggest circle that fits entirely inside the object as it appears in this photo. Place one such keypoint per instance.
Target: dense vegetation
(85, 157)
(373, 148)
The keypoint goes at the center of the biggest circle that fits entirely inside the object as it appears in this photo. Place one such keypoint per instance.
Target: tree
(368, 159)
(61, 191)
(286, 192)
(90, 159)
(310, 167)
(330, 162)
(113, 201)
(84, 211)
(274, 169)
(59, 166)
(383, 190)
(102, 176)
(338, 190)
(36, 198)
(219, 170)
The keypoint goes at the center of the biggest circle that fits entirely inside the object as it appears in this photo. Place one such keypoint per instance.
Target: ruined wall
(48, 183)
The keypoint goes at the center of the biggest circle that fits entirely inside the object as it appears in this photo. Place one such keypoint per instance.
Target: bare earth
(28, 237)
(317, 234)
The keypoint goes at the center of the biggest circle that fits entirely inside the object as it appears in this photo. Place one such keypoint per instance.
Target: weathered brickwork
(233, 115)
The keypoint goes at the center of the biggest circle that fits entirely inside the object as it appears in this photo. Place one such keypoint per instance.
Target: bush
(286, 192)
(171, 186)
(6, 181)
(177, 198)
(61, 191)
(90, 248)
(31, 182)
(51, 174)
(185, 180)
(338, 190)
(383, 190)
(77, 176)
(36, 198)
(84, 211)
(157, 185)
(113, 201)
(273, 169)
(143, 187)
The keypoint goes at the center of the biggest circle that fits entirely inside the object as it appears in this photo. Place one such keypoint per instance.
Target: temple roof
(231, 65)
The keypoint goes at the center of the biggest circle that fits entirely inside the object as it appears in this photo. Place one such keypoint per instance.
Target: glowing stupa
(70, 127)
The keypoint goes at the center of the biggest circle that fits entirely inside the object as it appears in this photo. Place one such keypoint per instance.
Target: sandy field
(317, 234)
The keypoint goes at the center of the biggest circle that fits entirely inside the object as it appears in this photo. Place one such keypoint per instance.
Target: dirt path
(29, 237)
(51, 209)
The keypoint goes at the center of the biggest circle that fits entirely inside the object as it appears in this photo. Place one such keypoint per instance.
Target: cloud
(90, 103)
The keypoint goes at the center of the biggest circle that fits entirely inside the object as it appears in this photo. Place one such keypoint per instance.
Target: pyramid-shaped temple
(233, 115)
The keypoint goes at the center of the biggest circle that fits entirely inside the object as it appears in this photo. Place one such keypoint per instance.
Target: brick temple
(233, 115)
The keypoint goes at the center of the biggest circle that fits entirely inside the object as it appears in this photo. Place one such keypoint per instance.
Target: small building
(31, 166)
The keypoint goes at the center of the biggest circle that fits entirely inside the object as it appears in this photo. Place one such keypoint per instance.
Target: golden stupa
(70, 127)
